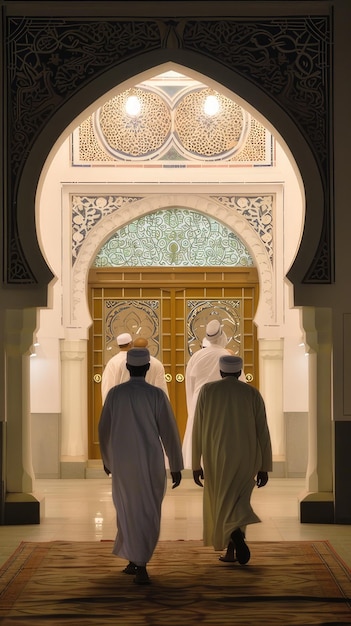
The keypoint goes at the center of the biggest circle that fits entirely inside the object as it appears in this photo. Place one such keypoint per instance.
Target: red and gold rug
(81, 583)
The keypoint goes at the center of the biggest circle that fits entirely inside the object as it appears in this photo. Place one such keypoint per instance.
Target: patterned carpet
(81, 583)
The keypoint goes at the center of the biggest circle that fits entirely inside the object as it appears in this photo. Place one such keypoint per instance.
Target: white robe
(116, 373)
(136, 421)
(231, 436)
(156, 375)
(203, 367)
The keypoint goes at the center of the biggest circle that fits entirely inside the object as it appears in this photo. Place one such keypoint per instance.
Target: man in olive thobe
(231, 438)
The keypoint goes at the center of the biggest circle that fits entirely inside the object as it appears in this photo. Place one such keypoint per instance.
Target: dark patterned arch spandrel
(51, 60)
(290, 60)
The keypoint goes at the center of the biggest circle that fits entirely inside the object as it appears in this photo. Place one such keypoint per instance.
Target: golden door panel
(173, 318)
(228, 312)
(140, 318)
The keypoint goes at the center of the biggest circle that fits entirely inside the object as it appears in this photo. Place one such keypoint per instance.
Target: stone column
(271, 387)
(2, 412)
(74, 420)
(316, 504)
(311, 349)
(21, 506)
(342, 414)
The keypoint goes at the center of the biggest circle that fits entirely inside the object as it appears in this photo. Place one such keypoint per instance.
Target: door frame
(212, 280)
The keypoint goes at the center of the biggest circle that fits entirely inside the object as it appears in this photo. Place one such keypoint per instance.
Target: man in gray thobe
(231, 436)
(136, 421)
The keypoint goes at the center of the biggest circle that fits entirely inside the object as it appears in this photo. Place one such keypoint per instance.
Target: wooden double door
(170, 307)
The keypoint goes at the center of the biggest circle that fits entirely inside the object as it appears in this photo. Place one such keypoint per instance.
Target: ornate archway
(208, 206)
(54, 72)
(268, 62)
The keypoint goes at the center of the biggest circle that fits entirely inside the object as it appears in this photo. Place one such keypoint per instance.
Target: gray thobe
(231, 438)
(135, 419)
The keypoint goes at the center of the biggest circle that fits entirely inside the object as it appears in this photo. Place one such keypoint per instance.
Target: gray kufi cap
(213, 330)
(138, 356)
(124, 339)
(230, 364)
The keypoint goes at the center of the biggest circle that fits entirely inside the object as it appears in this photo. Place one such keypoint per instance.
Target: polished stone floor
(82, 510)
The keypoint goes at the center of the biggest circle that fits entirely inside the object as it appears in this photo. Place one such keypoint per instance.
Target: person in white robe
(115, 371)
(136, 426)
(156, 374)
(231, 450)
(202, 367)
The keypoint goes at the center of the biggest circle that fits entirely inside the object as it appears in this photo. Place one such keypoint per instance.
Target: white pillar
(311, 471)
(74, 420)
(20, 326)
(271, 388)
(317, 326)
(317, 503)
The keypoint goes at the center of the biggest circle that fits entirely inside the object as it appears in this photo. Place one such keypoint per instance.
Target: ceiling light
(211, 105)
(133, 106)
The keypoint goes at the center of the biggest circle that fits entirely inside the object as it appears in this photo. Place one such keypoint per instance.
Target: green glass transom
(174, 237)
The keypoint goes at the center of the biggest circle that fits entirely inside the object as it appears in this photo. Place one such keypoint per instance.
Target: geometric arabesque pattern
(280, 56)
(174, 237)
(228, 249)
(177, 127)
(140, 135)
(258, 211)
(115, 220)
(87, 211)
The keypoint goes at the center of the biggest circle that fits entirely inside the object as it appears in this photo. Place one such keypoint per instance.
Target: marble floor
(82, 510)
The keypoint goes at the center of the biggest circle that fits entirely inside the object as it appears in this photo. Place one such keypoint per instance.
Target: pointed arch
(64, 114)
(79, 312)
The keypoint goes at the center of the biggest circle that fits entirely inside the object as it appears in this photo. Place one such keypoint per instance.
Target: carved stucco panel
(79, 311)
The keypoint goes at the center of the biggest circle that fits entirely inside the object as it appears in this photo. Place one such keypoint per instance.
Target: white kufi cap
(213, 330)
(124, 339)
(230, 364)
(138, 356)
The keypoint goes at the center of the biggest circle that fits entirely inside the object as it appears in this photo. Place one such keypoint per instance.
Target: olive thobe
(231, 435)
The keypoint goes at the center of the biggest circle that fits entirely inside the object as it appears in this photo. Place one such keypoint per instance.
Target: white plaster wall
(45, 367)
(295, 362)
(54, 233)
(295, 368)
(45, 376)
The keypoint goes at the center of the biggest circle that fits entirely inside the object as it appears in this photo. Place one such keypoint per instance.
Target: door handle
(97, 378)
(168, 378)
(179, 378)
